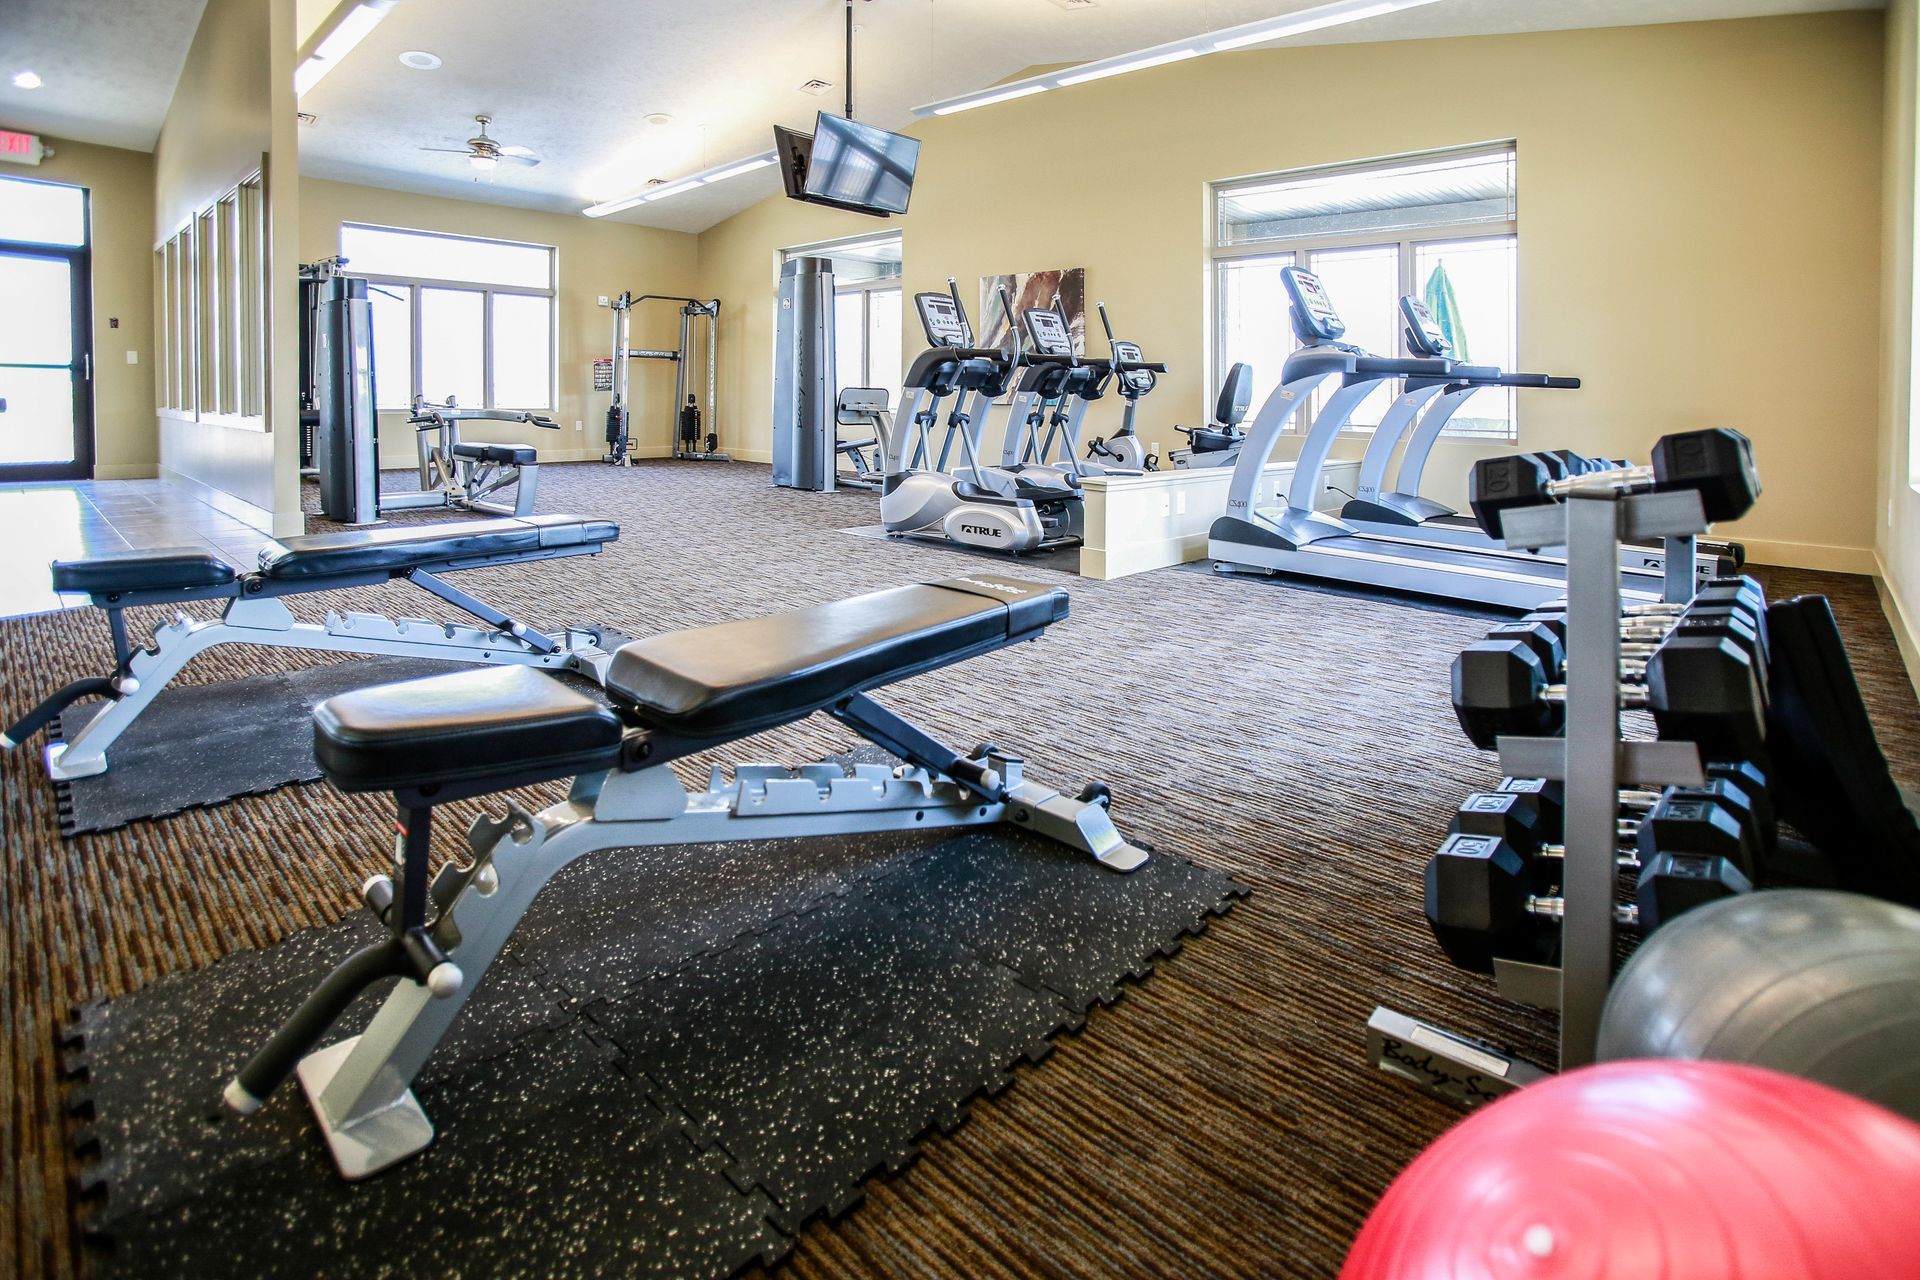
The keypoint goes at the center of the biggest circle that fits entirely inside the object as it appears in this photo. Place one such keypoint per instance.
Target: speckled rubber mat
(681, 1058)
(206, 744)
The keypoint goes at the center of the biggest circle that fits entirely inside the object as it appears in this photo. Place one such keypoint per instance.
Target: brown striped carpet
(1220, 1120)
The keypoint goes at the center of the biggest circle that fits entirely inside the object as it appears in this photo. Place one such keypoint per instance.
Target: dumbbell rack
(1595, 762)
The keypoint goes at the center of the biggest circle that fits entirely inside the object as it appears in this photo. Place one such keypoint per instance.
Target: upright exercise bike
(1134, 378)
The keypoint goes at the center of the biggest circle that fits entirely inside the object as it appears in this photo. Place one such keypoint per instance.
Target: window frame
(210, 311)
(414, 284)
(1302, 249)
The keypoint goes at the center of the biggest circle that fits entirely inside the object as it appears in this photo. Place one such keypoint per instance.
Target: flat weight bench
(466, 476)
(294, 566)
(479, 732)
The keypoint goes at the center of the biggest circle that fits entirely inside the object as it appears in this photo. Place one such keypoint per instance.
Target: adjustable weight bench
(480, 732)
(255, 613)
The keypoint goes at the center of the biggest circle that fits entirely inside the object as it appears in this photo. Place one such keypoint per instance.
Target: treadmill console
(1047, 332)
(943, 320)
(1425, 337)
(1314, 318)
(1138, 381)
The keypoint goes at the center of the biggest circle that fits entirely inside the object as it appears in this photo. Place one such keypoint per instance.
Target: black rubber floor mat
(1062, 559)
(683, 1056)
(207, 744)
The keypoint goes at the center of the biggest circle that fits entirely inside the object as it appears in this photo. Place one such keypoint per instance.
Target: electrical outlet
(602, 301)
(133, 357)
(1889, 513)
(579, 425)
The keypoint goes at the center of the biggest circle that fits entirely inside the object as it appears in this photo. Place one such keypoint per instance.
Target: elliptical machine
(1219, 444)
(1134, 377)
(983, 507)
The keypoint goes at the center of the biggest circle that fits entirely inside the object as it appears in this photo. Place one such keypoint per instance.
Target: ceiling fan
(484, 153)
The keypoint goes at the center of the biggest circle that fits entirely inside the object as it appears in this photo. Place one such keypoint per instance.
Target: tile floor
(60, 520)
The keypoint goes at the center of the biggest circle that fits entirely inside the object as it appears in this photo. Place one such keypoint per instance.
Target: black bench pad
(741, 677)
(404, 547)
(158, 569)
(496, 722)
(519, 455)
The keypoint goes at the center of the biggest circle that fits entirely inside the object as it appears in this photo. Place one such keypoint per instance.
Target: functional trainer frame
(619, 426)
(256, 613)
(673, 695)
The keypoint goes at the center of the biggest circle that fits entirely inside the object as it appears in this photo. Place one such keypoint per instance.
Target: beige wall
(596, 259)
(121, 204)
(232, 112)
(1896, 511)
(1667, 175)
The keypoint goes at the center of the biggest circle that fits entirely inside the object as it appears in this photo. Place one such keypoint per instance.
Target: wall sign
(20, 148)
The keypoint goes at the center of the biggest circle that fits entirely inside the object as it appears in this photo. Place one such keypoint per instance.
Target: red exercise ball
(1656, 1170)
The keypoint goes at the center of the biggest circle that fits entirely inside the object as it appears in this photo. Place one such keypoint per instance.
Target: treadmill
(1401, 510)
(1296, 540)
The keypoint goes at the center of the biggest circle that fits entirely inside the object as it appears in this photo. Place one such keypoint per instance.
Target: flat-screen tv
(848, 165)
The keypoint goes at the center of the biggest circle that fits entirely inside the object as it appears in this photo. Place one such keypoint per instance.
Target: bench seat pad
(497, 722)
(158, 569)
(741, 677)
(402, 547)
(519, 455)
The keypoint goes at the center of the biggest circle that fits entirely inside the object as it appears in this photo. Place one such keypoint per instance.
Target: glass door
(46, 368)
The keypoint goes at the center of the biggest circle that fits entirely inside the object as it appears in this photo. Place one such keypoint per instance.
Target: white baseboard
(125, 471)
(1808, 555)
(220, 500)
(1899, 620)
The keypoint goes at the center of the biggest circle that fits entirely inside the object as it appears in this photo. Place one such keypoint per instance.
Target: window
(866, 311)
(210, 304)
(1440, 226)
(456, 316)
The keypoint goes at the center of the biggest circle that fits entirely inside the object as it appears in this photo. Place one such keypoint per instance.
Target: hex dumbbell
(1479, 900)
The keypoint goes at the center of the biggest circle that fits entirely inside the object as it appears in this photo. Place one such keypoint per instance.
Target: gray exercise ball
(1812, 982)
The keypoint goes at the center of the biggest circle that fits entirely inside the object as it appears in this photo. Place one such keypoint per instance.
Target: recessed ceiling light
(420, 60)
(27, 80)
(659, 118)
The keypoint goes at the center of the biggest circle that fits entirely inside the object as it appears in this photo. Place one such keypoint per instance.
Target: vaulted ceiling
(577, 80)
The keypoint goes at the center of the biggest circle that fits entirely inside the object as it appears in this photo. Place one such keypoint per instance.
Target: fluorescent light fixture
(1101, 72)
(735, 170)
(353, 27)
(27, 80)
(714, 173)
(1317, 17)
(988, 99)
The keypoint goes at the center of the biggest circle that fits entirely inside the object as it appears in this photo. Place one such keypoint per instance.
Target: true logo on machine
(984, 530)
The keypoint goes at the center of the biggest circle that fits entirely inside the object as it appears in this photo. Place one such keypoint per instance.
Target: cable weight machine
(611, 373)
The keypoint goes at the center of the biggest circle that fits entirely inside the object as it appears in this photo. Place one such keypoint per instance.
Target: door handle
(86, 360)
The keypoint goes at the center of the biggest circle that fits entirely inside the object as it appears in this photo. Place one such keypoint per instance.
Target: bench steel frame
(360, 1088)
(256, 615)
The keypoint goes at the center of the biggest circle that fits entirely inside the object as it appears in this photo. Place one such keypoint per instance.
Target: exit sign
(20, 148)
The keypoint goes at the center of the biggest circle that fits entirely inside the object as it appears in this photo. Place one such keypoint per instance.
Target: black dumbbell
(1680, 820)
(1701, 689)
(1741, 785)
(1716, 462)
(1479, 900)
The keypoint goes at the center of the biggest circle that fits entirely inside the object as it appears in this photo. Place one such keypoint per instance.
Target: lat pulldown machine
(688, 440)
